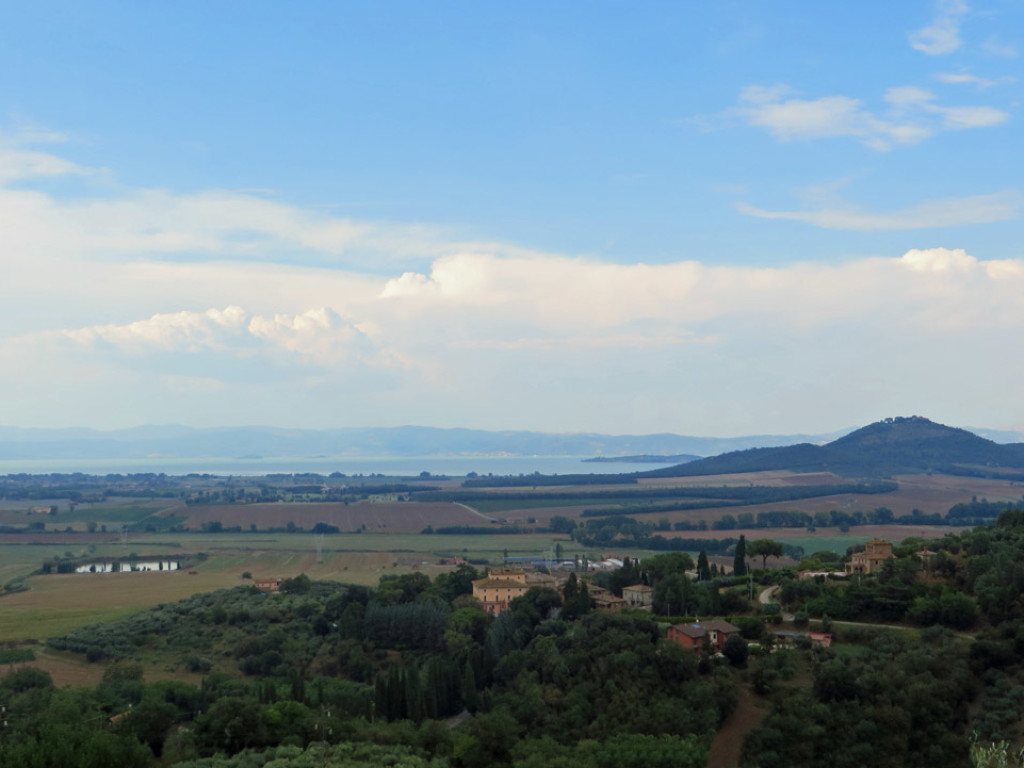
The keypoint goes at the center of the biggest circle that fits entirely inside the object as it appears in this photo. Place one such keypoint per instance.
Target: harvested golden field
(397, 517)
(62, 537)
(57, 603)
(777, 477)
(929, 493)
(856, 533)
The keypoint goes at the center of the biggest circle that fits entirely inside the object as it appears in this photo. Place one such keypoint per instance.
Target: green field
(110, 513)
(58, 603)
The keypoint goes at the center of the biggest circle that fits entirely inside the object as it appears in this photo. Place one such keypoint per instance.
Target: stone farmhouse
(876, 552)
(638, 596)
(502, 586)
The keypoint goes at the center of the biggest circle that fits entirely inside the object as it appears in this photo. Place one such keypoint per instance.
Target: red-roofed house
(715, 631)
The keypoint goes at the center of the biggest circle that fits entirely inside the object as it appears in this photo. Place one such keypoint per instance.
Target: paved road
(767, 596)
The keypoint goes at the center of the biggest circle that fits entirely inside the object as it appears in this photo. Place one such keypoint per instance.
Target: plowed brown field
(398, 517)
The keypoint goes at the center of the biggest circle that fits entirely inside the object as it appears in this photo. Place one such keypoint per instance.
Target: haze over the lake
(707, 219)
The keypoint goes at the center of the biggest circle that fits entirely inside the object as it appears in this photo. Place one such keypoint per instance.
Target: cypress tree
(435, 692)
(396, 694)
(413, 694)
(703, 569)
(739, 563)
(571, 588)
(469, 694)
(380, 706)
(584, 599)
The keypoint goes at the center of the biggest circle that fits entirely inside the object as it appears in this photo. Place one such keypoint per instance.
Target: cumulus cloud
(319, 337)
(912, 116)
(185, 331)
(942, 36)
(687, 296)
(145, 305)
(940, 213)
(939, 260)
(478, 329)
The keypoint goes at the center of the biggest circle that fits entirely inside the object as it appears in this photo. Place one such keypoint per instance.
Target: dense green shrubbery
(900, 705)
(294, 675)
(330, 663)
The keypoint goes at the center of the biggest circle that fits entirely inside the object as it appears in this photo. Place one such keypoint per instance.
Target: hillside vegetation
(332, 675)
(903, 445)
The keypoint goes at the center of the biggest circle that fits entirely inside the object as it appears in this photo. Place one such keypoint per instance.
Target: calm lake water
(410, 466)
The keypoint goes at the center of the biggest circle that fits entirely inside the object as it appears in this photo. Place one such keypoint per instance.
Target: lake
(384, 465)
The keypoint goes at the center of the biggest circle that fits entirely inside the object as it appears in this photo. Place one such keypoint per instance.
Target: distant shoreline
(643, 458)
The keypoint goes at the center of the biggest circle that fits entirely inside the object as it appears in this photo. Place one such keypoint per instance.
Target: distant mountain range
(268, 442)
(904, 445)
(179, 442)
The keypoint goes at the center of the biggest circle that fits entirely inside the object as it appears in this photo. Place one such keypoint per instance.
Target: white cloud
(187, 331)
(908, 95)
(479, 329)
(939, 260)
(105, 318)
(599, 296)
(965, 78)
(319, 337)
(826, 117)
(942, 36)
(940, 213)
(912, 117)
(22, 164)
(995, 47)
(970, 117)
(134, 224)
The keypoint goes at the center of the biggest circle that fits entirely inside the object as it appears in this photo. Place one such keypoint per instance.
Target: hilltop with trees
(901, 445)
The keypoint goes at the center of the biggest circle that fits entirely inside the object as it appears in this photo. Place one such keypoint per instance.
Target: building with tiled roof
(876, 552)
(500, 588)
(638, 595)
(714, 631)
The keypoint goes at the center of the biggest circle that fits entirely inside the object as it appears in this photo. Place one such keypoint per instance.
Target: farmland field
(383, 538)
(825, 538)
(57, 603)
(396, 517)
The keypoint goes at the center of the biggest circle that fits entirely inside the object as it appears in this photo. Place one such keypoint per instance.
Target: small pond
(129, 567)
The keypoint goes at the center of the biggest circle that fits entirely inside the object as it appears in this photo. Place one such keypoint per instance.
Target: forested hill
(892, 446)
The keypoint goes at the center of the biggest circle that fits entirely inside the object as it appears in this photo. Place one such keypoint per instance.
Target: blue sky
(707, 218)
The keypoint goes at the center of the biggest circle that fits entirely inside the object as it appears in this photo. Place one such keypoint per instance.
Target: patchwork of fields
(393, 517)
(384, 538)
